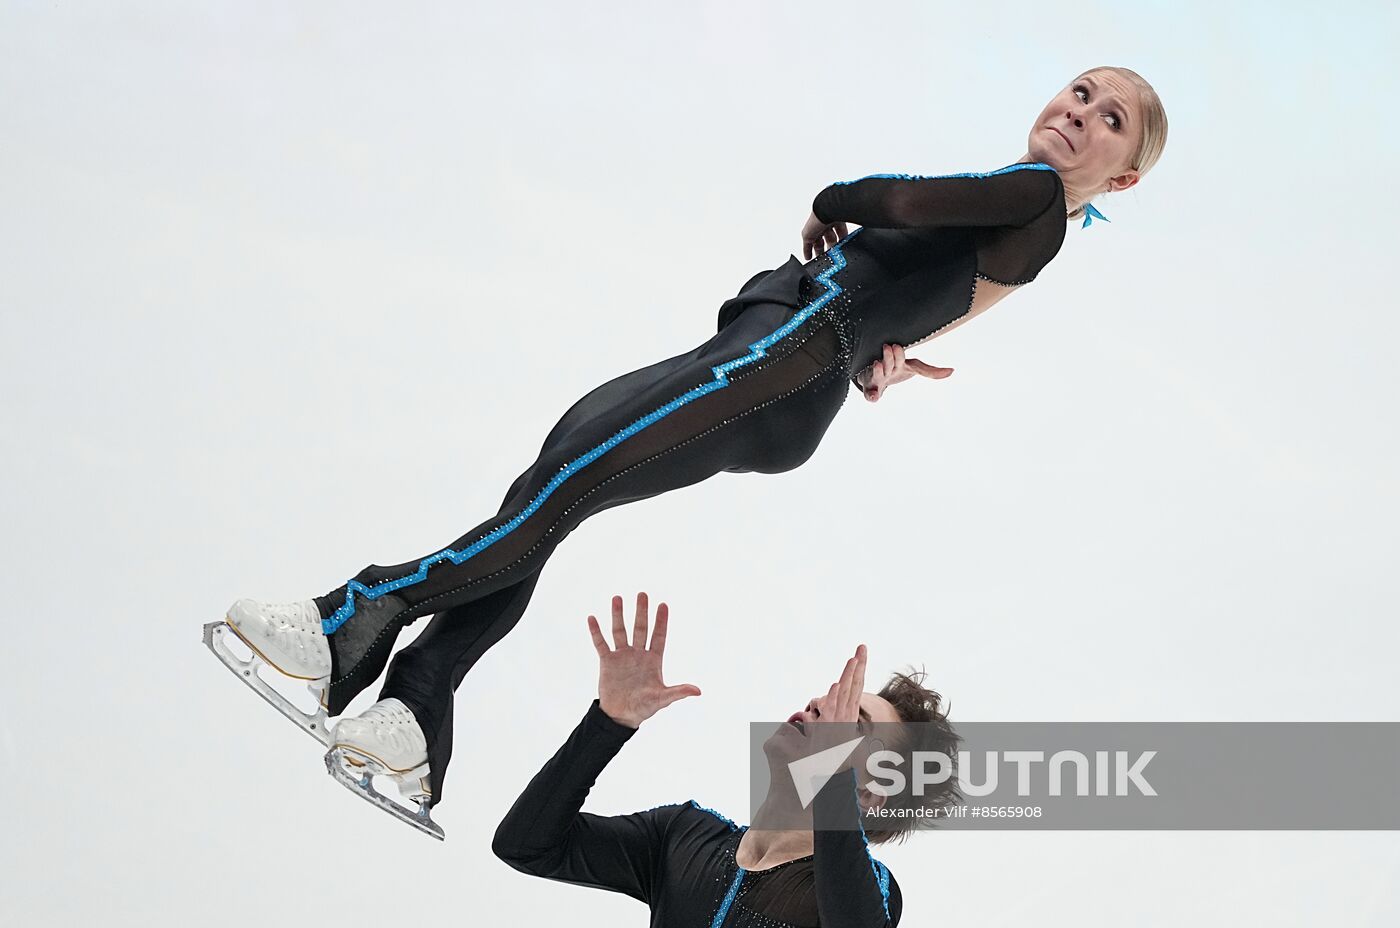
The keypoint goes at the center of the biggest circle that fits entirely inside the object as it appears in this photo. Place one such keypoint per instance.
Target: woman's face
(1088, 132)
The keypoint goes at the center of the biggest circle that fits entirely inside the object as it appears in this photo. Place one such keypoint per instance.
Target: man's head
(926, 729)
(904, 699)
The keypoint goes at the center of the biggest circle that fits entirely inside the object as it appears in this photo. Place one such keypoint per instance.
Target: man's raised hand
(630, 686)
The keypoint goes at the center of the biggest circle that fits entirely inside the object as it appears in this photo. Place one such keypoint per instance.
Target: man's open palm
(630, 686)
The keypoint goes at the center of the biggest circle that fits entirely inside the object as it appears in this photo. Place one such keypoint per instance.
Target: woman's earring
(1090, 214)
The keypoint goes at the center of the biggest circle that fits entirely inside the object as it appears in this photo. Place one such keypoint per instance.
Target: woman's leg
(424, 675)
(756, 397)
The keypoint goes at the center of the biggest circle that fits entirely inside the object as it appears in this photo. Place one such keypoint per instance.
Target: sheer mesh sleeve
(1012, 196)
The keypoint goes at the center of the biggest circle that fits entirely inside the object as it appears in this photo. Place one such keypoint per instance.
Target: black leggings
(757, 397)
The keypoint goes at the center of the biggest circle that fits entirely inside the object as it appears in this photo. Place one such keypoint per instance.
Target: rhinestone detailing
(728, 899)
(728, 821)
(879, 870)
(1005, 283)
(733, 902)
(757, 351)
(819, 375)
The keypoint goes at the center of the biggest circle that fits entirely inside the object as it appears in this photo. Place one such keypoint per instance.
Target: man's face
(791, 740)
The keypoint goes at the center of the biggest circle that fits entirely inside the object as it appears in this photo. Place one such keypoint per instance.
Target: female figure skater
(757, 397)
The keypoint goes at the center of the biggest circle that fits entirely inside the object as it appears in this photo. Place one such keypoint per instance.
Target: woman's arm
(1013, 196)
(545, 834)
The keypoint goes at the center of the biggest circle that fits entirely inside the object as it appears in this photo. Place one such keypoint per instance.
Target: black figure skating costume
(757, 397)
(680, 859)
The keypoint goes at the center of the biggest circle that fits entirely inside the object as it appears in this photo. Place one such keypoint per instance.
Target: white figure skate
(286, 637)
(385, 740)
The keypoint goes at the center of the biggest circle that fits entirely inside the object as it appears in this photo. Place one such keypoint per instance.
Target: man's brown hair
(917, 704)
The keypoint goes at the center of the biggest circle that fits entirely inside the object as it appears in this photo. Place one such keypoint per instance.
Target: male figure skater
(693, 866)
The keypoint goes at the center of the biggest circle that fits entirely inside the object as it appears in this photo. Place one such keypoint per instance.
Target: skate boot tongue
(390, 710)
(386, 732)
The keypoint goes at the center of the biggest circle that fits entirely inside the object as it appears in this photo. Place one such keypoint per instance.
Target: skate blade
(358, 777)
(216, 638)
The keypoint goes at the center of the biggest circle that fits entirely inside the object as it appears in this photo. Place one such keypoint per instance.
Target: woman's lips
(1063, 136)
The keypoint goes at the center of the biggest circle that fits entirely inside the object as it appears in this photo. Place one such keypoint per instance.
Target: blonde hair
(1153, 137)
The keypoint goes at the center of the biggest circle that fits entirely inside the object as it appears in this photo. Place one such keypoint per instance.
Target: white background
(287, 289)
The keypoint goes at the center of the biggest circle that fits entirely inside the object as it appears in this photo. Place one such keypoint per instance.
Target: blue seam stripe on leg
(756, 351)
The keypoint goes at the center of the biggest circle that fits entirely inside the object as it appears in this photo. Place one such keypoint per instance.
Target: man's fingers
(600, 644)
(858, 680)
(658, 629)
(680, 691)
(843, 688)
(619, 631)
(639, 623)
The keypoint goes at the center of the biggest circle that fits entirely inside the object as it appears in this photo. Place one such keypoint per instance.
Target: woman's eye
(1080, 92)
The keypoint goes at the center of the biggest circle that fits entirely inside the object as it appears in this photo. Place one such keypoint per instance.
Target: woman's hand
(630, 688)
(818, 236)
(894, 368)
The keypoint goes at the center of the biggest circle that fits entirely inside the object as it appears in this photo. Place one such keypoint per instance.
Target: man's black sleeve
(854, 890)
(545, 834)
(904, 201)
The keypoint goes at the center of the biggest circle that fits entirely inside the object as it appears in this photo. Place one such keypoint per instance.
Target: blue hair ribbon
(1090, 214)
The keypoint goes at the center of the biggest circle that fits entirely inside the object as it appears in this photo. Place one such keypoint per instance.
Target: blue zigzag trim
(1024, 166)
(757, 350)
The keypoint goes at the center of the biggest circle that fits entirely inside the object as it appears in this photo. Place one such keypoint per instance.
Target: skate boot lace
(394, 724)
(297, 625)
(294, 623)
